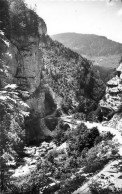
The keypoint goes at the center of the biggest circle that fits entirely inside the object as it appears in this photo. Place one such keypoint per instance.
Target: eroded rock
(112, 102)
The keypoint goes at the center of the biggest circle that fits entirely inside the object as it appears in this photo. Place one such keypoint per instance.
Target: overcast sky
(82, 16)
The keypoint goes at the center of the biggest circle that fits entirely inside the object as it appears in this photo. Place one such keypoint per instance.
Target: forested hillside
(104, 53)
(89, 44)
(71, 76)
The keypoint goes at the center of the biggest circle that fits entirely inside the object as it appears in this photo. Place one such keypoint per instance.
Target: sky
(99, 17)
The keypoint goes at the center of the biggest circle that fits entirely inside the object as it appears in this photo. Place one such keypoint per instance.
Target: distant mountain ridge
(89, 44)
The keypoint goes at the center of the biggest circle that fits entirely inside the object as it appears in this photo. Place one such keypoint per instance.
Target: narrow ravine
(35, 153)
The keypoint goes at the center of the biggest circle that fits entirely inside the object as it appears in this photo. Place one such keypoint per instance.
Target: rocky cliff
(111, 104)
(40, 80)
(71, 77)
(22, 64)
(49, 75)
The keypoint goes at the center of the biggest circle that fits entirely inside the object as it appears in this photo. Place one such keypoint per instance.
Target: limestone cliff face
(37, 64)
(24, 60)
(28, 57)
(113, 96)
(111, 105)
(22, 64)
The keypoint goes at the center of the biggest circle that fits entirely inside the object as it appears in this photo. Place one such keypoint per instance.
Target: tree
(11, 134)
(24, 21)
(4, 16)
(2, 143)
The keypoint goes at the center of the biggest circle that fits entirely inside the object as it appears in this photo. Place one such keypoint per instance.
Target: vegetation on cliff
(70, 76)
(18, 22)
(76, 152)
(104, 53)
(89, 44)
(12, 132)
(63, 170)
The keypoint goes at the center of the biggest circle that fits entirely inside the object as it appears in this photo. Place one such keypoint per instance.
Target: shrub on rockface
(82, 138)
(78, 139)
(103, 184)
(12, 134)
(19, 22)
(69, 186)
(99, 155)
(61, 133)
(24, 22)
(12, 118)
(4, 16)
(34, 183)
(84, 145)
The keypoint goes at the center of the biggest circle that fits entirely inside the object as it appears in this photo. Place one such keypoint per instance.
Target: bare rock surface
(113, 95)
(30, 162)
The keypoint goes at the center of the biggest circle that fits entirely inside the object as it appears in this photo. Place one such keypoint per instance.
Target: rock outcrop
(113, 96)
(22, 64)
(38, 66)
(71, 77)
(111, 104)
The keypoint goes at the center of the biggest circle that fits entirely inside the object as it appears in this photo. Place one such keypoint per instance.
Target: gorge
(49, 96)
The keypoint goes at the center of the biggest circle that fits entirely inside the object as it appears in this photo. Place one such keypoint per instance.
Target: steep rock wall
(113, 95)
(22, 64)
(111, 104)
(71, 77)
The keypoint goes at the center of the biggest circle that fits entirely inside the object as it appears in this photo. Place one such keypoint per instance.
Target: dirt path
(112, 169)
(101, 128)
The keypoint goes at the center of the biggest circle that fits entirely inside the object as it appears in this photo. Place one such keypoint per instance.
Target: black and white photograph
(60, 96)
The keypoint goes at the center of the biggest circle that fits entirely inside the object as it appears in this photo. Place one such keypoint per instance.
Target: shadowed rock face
(111, 104)
(71, 77)
(24, 59)
(113, 96)
(29, 59)
(27, 72)
(22, 65)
